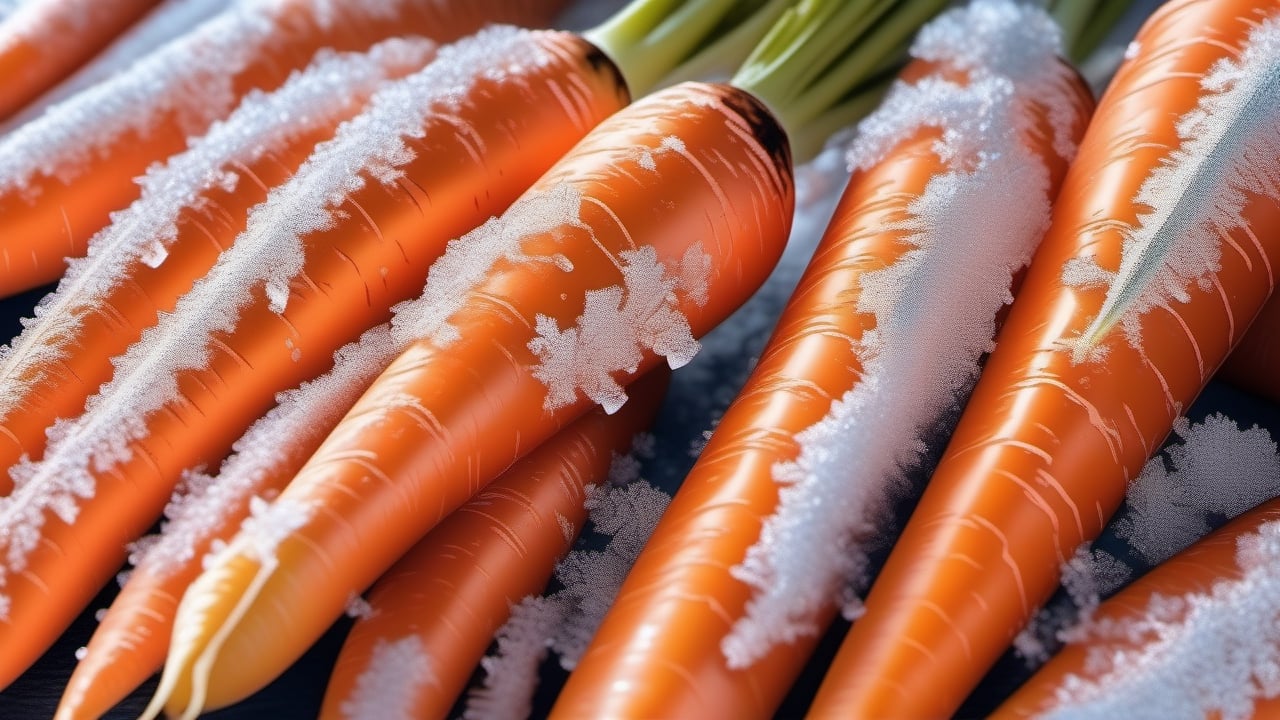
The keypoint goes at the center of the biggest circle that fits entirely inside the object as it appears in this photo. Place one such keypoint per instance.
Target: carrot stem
(822, 53)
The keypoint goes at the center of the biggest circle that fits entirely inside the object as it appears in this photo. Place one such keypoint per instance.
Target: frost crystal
(618, 324)
(269, 524)
(1198, 194)
(191, 77)
(972, 227)
(1218, 470)
(1200, 655)
(388, 686)
(567, 620)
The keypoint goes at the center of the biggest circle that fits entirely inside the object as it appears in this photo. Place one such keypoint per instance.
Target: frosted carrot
(1252, 364)
(953, 180)
(1160, 252)
(190, 210)
(443, 601)
(42, 41)
(62, 174)
(347, 236)
(648, 233)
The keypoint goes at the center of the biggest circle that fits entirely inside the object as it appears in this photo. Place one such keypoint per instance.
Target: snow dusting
(566, 620)
(1197, 195)
(1199, 655)
(974, 225)
(388, 686)
(618, 324)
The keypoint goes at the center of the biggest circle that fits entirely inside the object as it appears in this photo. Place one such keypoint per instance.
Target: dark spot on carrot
(763, 124)
(602, 63)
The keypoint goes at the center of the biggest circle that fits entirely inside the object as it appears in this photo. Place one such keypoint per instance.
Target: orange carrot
(61, 175)
(697, 627)
(649, 232)
(190, 210)
(1252, 364)
(42, 42)
(1192, 637)
(1160, 252)
(443, 601)
(350, 234)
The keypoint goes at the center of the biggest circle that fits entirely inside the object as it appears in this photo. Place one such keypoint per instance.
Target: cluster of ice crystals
(1196, 196)
(618, 324)
(976, 222)
(1204, 654)
(388, 686)
(566, 620)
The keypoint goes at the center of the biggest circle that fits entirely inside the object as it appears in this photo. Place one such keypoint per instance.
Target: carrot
(43, 41)
(350, 234)
(1192, 637)
(648, 233)
(442, 602)
(1159, 254)
(61, 175)
(190, 210)
(1251, 364)
(729, 597)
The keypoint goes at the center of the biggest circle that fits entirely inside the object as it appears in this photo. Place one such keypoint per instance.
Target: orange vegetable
(214, 364)
(62, 174)
(1159, 254)
(444, 600)
(659, 223)
(1252, 364)
(690, 634)
(118, 291)
(43, 42)
(1146, 631)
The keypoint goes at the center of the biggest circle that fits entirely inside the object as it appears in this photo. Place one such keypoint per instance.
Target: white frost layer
(618, 324)
(191, 77)
(388, 687)
(1197, 195)
(566, 621)
(974, 225)
(370, 147)
(332, 87)
(158, 27)
(1204, 654)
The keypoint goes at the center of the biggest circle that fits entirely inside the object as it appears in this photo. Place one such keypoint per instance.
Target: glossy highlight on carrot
(214, 366)
(448, 595)
(695, 629)
(1123, 316)
(62, 174)
(191, 209)
(43, 42)
(659, 223)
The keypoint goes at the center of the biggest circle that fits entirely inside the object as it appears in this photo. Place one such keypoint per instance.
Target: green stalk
(818, 63)
(649, 38)
(1105, 18)
(1073, 17)
(718, 60)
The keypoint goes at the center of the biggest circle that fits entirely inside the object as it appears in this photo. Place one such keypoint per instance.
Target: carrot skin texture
(1252, 364)
(32, 64)
(1196, 570)
(1044, 450)
(658, 652)
(455, 588)
(57, 217)
(444, 193)
(481, 406)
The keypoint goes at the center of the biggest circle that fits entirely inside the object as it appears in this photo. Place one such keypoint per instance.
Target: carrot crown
(825, 63)
(659, 42)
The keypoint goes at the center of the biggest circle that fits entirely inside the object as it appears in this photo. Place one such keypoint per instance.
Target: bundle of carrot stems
(716, 358)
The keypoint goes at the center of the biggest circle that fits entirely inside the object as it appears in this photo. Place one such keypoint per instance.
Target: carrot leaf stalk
(1085, 23)
(648, 39)
(823, 56)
